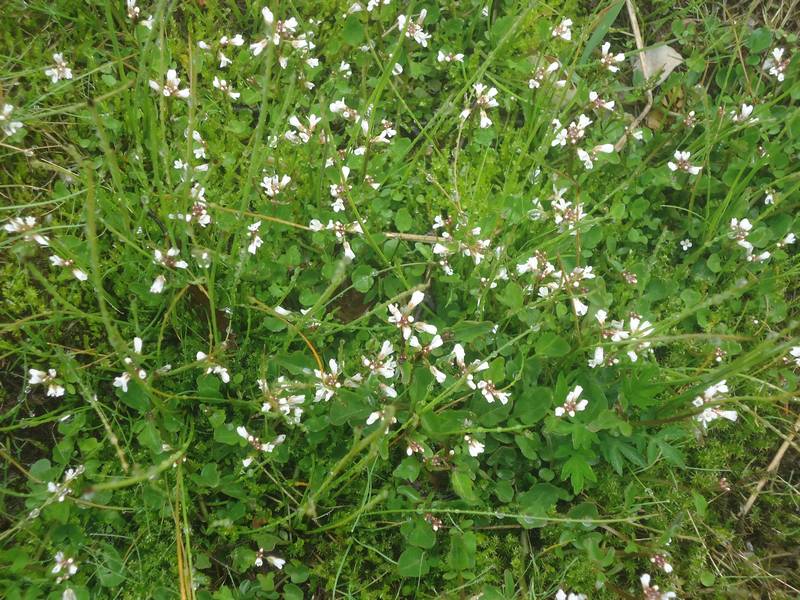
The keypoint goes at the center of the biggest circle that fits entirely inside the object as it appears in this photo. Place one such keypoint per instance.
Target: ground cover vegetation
(386, 299)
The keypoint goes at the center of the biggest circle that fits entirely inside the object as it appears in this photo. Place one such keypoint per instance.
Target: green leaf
(512, 296)
(609, 15)
(412, 563)
(537, 502)
(363, 278)
(136, 397)
(759, 40)
(418, 532)
(578, 469)
(551, 345)
(403, 220)
(707, 578)
(407, 469)
(468, 331)
(700, 504)
(110, 571)
(209, 476)
(462, 485)
(532, 406)
(353, 32)
(462, 550)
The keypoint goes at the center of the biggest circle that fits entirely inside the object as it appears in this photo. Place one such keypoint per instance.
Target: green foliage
(398, 350)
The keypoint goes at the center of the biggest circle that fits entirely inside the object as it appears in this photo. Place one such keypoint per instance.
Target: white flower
(303, 133)
(608, 60)
(438, 375)
(47, 378)
(485, 97)
(789, 239)
(588, 158)
(64, 567)
(405, 320)
(563, 30)
(436, 342)
(383, 364)
(573, 133)
(562, 595)
(397, 69)
(25, 226)
(328, 382)
(776, 64)
(158, 284)
(573, 403)
(237, 40)
(598, 360)
(448, 57)
(597, 102)
(710, 414)
(223, 86)
(274, 184)
(57, 261)
(255, 240)
(491, 393)
(122, 382)
(60, 71)
(9, 127)
(413, 29)
(682, 163)
(474, 446)
(743, 114)
(541, 73)
(276, 562)
(652, 592)
(133, 10)
(171, 86)
(661, 562)
(377, 416)
(580, 308)
(686, 244)
(214, 368)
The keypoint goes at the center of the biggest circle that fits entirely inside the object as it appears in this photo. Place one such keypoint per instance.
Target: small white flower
(474, 446)
(743, 115)
(682, 163)
(686, 244)
(652, 592)
(158, 284)
(171, 86)
(60, 71)
(223, 86)
(563, 30)
(274, 184)
(404, 320)
(448, 57)
(48, 378)
(413, 29)
(491, 393)
(25, 226)
(485, 98)
(598, 359)
(776, 64)
(573, 403)
(65, 567)
(8, 126)
(255, 240)
(597, 102)
(608, 60)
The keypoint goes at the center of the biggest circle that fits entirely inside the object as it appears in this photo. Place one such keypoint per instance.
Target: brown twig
(637, 34)
(773, 466)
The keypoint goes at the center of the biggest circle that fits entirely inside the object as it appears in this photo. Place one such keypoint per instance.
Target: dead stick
(773, 466)
(637, 34)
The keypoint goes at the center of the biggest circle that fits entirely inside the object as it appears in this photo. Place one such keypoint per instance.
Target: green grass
(319, 498)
